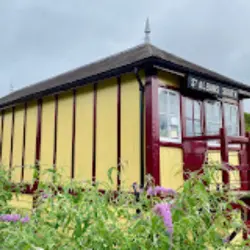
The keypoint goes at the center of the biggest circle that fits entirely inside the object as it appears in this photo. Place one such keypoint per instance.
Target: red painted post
(224, 156)
(152, 128)
(248, 162)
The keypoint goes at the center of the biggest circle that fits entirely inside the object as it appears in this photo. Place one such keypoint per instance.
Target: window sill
(170, 144)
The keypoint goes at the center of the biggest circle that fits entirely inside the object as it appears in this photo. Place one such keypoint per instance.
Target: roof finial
(11, 87)
(147, 31)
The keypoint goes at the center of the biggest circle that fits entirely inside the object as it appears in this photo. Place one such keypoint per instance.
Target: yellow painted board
(18, 144)
(215, 158)
(130, 131)
(7, 138)
(30, 147)
(168, 79)
(22, 201)
(47, 138)
(171, 167)
(64, 135)
(106, 129)
(84, 133)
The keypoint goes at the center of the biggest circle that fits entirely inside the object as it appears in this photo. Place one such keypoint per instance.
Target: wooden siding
(64, 135)
(168, 79)
(106, 129)
(171, 167)
(7, 138)
(47, 137)
(130, 131)
(18, 144)
(84, 133)
(30, 149)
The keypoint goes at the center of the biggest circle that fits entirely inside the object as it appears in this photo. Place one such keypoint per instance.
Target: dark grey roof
(121, 60)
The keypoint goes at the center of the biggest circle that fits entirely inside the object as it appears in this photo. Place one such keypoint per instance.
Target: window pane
(189, 108)
(162, 101)
(213, 118)
(189, 127)
(197, 110)
(197, 127)
(231, 119)
(169, 115)
(163, 126)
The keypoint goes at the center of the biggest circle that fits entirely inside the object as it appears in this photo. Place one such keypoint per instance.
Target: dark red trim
(224, 155)
(171, 144)
(55, 131)
(12, 137)
(175, 88)
(183, 116)
(241, 118)
(38, 131)
(118, 133)
(73, 135)
(24, 139)
(94, 134)
(152, 128)
(1, 139)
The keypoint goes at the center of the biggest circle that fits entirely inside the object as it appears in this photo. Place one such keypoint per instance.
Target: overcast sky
(42, 38)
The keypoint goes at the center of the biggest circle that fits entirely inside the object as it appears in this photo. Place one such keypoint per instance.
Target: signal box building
(142, 111)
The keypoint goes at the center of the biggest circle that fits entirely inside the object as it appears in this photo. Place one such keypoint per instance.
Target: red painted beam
(94, 134)
(118, 133)
(1, 139)
(201, 138)
(152, 128)
(73, 135)
(24, 139)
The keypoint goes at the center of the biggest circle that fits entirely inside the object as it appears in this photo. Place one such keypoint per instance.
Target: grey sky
(42, 38)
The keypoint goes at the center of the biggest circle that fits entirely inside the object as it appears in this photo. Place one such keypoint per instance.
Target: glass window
(231, 114)
(169, 115)
(193, 117)
(213, 117)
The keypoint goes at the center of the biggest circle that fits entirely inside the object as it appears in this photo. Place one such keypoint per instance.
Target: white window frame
(178, 117)
(230, 105)
(207, 120)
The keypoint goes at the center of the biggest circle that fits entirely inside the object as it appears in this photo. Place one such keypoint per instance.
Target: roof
(123, 61)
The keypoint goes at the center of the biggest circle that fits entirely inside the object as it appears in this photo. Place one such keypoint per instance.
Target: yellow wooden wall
(30, 148)
(168, 79)
(64, 135)
(106, 129)
(22, 201)
(84, 133)
(47, 137)
(130, 131)
(7, 138)
(171, 167)
(18, 144)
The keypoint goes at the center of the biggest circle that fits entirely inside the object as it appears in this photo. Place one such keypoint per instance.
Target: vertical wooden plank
(224, 156)
(118, 133)
(55, 132)
(73, 135)
(12, 140)
(94, 135)
(24, 140)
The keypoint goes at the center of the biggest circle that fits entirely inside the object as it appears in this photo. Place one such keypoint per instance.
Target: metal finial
(147, 31)
(11, 87)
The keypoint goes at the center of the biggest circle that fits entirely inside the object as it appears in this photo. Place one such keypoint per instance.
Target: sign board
(211, 87)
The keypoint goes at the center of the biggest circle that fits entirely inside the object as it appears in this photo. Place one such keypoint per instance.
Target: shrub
(195, 217)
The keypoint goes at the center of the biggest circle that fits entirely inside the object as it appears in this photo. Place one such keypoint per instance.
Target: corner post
(152, 126)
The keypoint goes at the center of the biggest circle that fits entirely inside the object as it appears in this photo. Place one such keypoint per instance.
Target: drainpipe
(141, 89)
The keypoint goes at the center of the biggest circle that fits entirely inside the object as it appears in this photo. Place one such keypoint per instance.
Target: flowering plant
(194, 217)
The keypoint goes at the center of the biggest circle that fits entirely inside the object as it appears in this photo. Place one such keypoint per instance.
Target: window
(169, 115)
(231, 115)
(213, 117)
(193, 117)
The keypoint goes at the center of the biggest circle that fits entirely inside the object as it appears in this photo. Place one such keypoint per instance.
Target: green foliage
(75, 219)
(247, 121)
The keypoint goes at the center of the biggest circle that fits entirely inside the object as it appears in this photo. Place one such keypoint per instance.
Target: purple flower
(160, 190)
(25, 219)
(10, 217)
(164, 210)
(13, 218)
